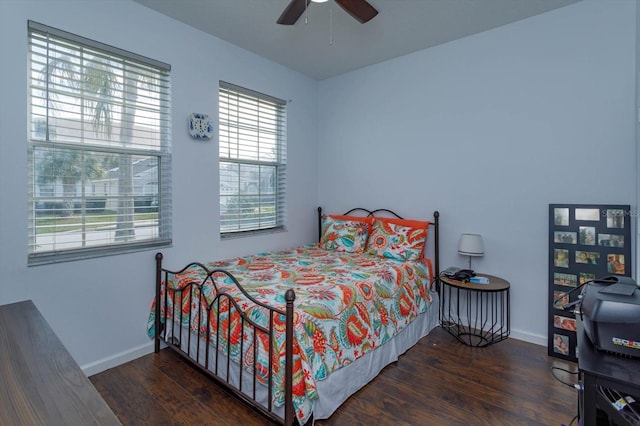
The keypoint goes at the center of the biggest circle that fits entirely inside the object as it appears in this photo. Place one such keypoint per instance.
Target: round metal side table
(475, 314)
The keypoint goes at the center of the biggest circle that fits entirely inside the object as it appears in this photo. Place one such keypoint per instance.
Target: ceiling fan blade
(359, 9)
(293, 11)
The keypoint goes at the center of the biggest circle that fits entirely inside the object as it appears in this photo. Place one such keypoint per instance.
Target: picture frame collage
(586, 242)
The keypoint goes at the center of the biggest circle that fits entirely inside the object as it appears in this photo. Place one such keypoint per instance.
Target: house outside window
(99, 148)
(252, 161)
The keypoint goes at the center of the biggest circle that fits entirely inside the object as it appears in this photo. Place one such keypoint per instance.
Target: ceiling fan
(361, 10)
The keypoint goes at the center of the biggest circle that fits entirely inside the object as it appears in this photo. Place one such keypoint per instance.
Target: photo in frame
(586, 242)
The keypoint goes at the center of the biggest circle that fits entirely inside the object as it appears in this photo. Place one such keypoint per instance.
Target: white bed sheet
(340, 384)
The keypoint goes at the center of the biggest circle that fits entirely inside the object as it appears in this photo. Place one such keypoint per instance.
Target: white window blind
(252, 161)
(99, 148)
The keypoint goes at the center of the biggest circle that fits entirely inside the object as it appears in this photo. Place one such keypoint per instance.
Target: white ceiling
(401, 27)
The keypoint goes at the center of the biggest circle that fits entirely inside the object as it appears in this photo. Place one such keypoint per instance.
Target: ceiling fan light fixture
(360, 10)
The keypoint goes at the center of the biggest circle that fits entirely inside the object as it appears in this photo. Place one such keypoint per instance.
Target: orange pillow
(419, 224)
(340, 233)
(400, 239)
(364, 219)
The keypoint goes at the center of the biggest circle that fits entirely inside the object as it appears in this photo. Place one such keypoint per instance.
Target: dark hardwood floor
(437, 382)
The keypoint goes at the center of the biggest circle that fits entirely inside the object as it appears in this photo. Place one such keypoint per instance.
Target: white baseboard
(526, 336)
(117, 359)
(134, 353)
(529, 337)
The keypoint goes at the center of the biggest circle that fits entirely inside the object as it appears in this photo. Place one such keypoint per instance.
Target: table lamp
(471, 245)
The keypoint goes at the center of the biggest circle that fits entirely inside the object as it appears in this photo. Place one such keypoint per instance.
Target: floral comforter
(346, 305)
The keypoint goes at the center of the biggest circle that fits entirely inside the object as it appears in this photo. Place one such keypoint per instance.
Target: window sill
(253, 233)
(38, 259)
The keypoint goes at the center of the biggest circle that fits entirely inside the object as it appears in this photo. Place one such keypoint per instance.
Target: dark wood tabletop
(495, 283)
(40, 383)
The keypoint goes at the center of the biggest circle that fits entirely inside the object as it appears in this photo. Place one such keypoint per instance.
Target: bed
(295, 332)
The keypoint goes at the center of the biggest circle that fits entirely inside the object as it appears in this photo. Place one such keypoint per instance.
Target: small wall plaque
(200, 127)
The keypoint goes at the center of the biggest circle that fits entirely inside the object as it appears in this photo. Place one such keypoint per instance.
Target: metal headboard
(435, 224)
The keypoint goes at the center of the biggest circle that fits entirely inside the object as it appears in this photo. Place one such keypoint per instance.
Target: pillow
(398, 239)
(346, 234)
(421, 224)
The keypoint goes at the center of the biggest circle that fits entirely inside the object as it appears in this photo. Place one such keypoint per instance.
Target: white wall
(99, 307)
(489, 130)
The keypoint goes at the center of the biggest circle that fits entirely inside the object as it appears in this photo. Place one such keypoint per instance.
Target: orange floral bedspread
(346, 305)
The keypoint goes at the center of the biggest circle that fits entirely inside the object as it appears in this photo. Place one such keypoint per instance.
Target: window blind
(252, 161)
(99, 148)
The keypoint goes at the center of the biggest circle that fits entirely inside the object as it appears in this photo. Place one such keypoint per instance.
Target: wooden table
(40, 383)
(475, 314)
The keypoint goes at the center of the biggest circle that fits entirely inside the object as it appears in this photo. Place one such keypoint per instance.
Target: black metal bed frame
(436, 234)
(220, 298)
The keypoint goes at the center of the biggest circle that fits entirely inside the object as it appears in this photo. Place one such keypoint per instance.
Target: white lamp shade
(319, 1)
(471, 245)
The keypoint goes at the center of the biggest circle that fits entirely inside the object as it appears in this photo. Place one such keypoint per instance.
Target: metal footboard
(208, 305)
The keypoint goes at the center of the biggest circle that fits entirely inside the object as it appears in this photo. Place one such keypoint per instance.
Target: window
(99, 149)
(252, 161)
